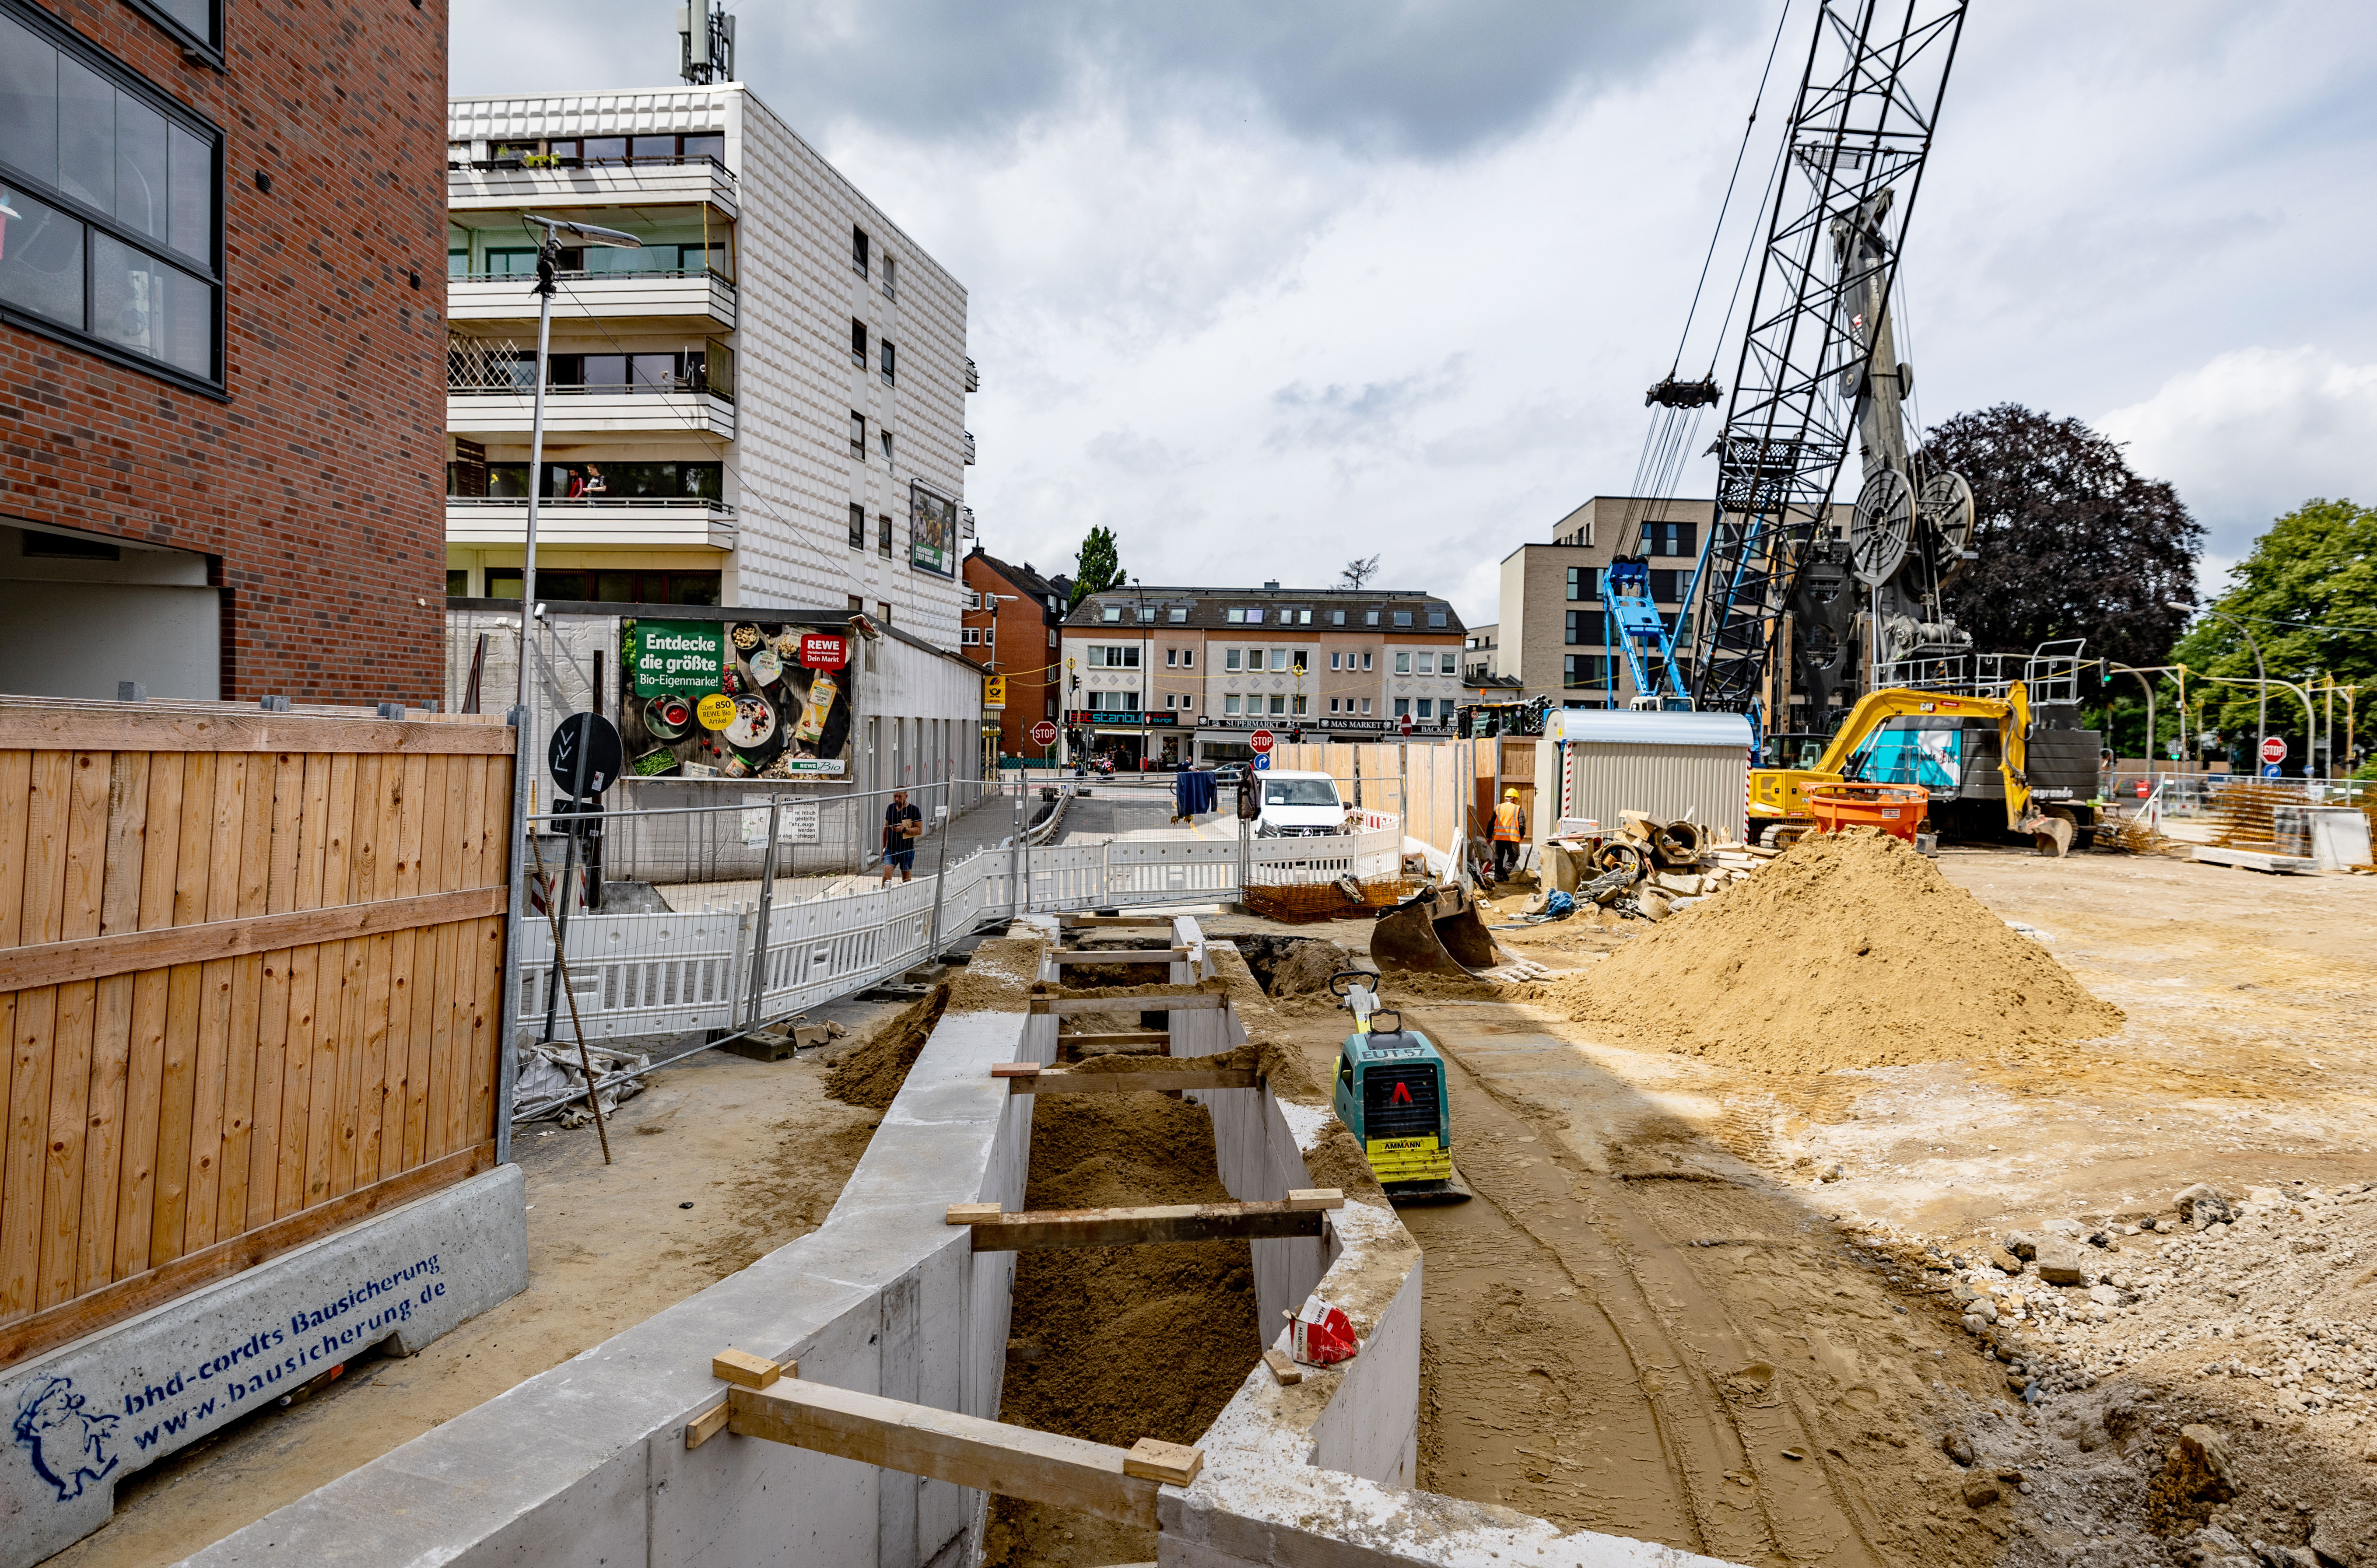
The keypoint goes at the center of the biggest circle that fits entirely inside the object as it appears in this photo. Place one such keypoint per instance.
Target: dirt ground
(1781, 1265)
(756, 1149)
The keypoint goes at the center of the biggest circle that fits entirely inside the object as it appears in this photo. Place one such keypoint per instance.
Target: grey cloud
(1371, 414)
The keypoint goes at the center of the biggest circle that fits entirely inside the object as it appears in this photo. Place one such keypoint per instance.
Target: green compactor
(1391, 1095)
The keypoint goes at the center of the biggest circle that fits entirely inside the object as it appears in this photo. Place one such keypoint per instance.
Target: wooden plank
(381, 865)
(193, 866)
(272, 1003)
(16, 785)
(1283, 1370)
(1064, 1472)
(705, 1426)
(210, 1074)
(127, 816)
(450, 1086)
(1161, 921)
(1155, 1225)
(490, 1029)
(90, 786)
(403, 987)
(129, 1298)
(1059, 1080)
(240, 1066)
(323, 1123)
(48, 806)
(1159, 1002)
(37, 728)
(305, 969)
(1118, 956)
(1119, 1037)
(744, 1369)
(453, 866)
(417, 959)
(57, 963)
(1171, 1464)
(144, 1084)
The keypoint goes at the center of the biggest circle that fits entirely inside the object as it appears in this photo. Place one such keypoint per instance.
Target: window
(1279, 659)
(1402, 663)
(1333, 659)
(1179, 616)
(1580, 583)
(1366, 704)
(1052, 636)
(990, 637)
(968, 636)
(857, 341)
(857, 526)
(887, 448)
(1188, 659)
(883, 607)
(883, 534)
(1254, 616)
(1369, 617)
(1666, 585)
(1110, 612)
(858, 436)
(1403, 706)
(1336, 617)
(1427, 708)
(1279, 704)
(890, 359)
(113, 201)
(1229, 659)
(1301, 660)
(1234, 616)
(1229, 705)
(1366, 664)
(1171, 657)
(1579, 671)
(858, 251)
(1333, 705)
(1587, 628)
(891, 274)
(1670, 539)
(1304, 617)
(1403, 617)
(1298, 708)
(1436, 615)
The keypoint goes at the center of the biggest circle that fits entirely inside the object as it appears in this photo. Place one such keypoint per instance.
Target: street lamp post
(2261, 677)
(1146, 670)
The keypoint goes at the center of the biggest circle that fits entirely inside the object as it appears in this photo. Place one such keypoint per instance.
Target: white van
(1298, 805)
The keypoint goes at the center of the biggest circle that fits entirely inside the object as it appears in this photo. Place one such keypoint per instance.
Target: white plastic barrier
(661, 974)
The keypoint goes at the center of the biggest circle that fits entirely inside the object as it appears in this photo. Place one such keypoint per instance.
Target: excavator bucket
(1436, 931)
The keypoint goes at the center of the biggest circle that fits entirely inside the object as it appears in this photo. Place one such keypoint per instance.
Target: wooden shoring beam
(943, 1445)
(1156, 1002)
(1110, 921)
(1030, 1078)
(1118, 956)
(1119, 1037)
(1031, 1229)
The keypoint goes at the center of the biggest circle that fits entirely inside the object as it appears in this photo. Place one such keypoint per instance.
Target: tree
(1101, 566)
(2072, 543)
(2309, 591)
(1357, 572)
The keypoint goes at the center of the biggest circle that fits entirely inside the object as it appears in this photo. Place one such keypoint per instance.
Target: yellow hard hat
(1510, 795)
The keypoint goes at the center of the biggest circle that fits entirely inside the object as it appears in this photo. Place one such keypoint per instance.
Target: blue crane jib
(1635, 624)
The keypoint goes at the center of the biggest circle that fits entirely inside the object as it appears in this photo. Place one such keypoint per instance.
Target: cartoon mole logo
(67, 1442)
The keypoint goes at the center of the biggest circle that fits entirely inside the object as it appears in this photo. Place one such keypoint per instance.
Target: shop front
(1222, 740)
(1134, 742)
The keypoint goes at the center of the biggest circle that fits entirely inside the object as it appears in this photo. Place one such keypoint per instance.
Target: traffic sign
(1261, 741)
(1043, 735)
(2273, 748)
(1405, 724)
(2269, 770)
(588, 741)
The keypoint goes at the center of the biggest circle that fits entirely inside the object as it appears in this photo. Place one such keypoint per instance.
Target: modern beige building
(1188, 675)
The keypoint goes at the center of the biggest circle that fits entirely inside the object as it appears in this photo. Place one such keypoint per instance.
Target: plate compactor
(1391, 1095)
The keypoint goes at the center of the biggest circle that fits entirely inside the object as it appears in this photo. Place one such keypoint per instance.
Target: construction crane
(1777, 590)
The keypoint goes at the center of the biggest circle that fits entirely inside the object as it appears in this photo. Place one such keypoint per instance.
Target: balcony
(639, 182)
(483, 413)
(969, 446)
(592, 523)
(973, 377)
(690, 302)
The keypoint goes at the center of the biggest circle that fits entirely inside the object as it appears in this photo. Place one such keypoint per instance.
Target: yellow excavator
(1971, 752)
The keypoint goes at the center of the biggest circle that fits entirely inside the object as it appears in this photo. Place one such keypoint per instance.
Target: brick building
(1010, 618)
(222, 335)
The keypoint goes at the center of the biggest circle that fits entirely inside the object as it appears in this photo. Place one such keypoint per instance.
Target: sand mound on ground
(1848, 951)
(870, 1074)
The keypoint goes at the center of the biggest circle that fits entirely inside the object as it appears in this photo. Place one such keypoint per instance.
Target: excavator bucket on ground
(1436, 931)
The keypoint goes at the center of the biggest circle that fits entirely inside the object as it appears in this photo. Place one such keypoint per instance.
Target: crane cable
(1747, 126)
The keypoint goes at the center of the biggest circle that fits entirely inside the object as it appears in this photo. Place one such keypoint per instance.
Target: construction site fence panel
(666, 973)
(253, 961)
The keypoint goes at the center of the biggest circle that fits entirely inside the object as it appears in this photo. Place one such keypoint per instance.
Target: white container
(2332, 836)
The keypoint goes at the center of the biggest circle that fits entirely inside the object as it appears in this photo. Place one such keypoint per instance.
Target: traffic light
(2104, 673)
(1296, 736)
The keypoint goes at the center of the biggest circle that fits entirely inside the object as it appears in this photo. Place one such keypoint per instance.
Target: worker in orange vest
(1509, 832)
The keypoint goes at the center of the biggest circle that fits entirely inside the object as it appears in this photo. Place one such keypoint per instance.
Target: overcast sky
(1264, 287)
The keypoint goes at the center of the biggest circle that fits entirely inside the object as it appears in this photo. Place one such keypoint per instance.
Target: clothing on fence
(1193, 795)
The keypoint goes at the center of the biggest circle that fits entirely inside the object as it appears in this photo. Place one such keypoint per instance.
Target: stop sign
(1261, 742)
(2273, 749)
(1043, 735)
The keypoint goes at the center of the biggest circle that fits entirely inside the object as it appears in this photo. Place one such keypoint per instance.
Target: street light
(2261, 676)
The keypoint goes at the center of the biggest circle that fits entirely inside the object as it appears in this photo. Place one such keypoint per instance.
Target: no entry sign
(1261, 741)
(2273, 748)
(1043, 735)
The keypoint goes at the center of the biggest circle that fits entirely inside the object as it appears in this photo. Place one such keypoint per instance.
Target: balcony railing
(602, 521)
(973, 377)
(674, 385)
(969, 446)
(533, 160)
(657, 274)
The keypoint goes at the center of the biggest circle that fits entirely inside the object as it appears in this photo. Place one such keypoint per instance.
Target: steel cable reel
(1880, 526)
(1946, 507)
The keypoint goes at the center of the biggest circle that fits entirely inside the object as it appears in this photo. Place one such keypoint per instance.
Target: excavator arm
(1775, 793)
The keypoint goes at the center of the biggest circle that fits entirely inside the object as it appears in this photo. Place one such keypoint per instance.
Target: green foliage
(1100, 565)
(2309, 591)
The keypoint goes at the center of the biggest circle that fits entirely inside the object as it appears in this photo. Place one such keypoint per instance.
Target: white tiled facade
(780, 533)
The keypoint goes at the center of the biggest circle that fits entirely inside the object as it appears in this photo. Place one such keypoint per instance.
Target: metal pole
(524, 726)
(766, 908)
(941, 871)
(560, 905)
(1015, 860)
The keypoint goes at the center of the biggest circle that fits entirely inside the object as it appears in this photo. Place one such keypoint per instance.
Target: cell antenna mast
(1853, 154)
(707, 36)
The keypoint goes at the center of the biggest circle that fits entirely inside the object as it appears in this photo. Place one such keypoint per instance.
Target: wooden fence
(1427, 782)
(250, 975)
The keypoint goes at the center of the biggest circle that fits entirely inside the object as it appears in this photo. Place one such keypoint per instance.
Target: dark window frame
(207, 47)
(857, 526)
(41, 24)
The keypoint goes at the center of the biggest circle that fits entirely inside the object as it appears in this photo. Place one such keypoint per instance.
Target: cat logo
(1401, 1095)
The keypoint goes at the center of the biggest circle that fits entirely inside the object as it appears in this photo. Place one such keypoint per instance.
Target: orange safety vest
(1507, 818)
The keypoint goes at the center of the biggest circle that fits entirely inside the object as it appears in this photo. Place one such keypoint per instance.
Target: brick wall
(317, 486)
(1021, 651)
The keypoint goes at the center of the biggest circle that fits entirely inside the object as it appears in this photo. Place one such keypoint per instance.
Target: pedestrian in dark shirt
(902, 824)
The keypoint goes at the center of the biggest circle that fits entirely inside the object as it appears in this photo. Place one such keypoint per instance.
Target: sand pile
(871, 1071)
(1848, 951)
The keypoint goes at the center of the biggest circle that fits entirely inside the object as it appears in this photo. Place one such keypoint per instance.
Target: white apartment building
(1188, 675)
(763, 405)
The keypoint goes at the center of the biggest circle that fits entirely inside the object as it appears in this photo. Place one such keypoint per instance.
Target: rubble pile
(1651, 869)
